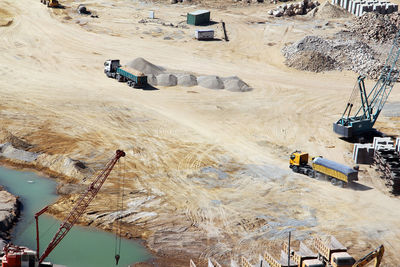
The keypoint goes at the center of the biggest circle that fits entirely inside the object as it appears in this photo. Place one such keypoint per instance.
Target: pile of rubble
(376, 27)
(313, 53)
(293, 9)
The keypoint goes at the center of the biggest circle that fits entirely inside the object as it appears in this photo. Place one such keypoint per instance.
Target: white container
(151, 14)
(205, 34)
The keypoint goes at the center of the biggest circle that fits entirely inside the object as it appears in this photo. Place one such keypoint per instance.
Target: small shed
(206, 34)
(198, 17)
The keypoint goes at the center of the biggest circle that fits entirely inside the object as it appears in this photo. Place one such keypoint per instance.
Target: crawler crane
(21, 256)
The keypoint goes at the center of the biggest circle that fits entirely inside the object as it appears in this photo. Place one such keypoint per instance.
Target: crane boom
(79, 208)
(372, 104)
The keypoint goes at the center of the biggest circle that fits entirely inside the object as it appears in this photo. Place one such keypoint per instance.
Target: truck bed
(133, 71)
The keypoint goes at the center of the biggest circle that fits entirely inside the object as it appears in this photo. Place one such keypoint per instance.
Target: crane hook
(116, 259)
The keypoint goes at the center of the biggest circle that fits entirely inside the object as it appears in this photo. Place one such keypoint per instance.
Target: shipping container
(199, 17)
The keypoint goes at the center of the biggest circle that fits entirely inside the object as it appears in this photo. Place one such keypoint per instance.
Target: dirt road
(206, 169)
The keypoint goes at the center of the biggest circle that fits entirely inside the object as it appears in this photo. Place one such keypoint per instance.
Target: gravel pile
(166, 79)
(211, 82)
(144, 66)
(187, 80)
(313, 53)
(376, 27)
(235, 84)
(311, 61)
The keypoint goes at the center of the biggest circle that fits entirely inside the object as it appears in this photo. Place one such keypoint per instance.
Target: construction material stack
(387, 162)
(282, 262)
(304, 257)
(333, 253)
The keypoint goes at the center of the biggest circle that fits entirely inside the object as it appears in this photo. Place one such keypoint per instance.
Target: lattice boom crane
(13, 253)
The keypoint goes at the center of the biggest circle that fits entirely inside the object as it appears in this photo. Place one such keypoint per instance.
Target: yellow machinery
(376, 254)
(337, 173)
(299, 163)
(50, 3)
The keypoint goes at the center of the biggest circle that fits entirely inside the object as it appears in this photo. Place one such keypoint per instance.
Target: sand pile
(211, 82)
(235, 84)
(166, 79)
(187, 80)
(328, 11)
(144, 66)
(312, 61)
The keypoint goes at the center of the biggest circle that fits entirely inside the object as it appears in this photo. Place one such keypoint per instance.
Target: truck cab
(110, 67)
(298, 158)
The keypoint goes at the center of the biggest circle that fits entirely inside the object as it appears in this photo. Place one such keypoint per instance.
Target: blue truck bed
(138, 78)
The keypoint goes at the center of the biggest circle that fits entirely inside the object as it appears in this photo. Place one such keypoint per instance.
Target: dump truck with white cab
(134, 78)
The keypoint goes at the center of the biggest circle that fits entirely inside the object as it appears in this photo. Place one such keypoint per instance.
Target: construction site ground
(206, 170)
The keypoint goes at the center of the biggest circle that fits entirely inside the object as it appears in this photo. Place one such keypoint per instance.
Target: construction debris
(314, 53)
(299, 8)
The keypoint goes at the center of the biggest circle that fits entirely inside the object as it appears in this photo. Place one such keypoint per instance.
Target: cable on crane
(120, 206)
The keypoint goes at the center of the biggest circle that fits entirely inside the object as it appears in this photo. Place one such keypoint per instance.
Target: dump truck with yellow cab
(51, 3)
(333, 253)
(339, 174)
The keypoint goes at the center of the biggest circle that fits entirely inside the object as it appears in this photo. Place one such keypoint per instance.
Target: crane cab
(20, 257)
(298, 158)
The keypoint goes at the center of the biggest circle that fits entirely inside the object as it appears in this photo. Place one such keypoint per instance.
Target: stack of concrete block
(363, 153)
(397, 146)
(360, 7)
(383, 143)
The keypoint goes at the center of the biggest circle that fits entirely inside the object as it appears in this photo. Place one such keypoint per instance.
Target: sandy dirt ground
(206, 171)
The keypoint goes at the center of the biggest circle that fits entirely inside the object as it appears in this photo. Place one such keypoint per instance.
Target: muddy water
(82, 247)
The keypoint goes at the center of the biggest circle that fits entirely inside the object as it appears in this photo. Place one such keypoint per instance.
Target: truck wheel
(311, 173)
(340, 184)
(333, 181)
(133, 84)
(119, 78)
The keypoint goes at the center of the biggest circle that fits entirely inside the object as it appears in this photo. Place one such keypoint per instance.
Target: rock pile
(376, 27)
(316, 54)
(9, 212)
(293, 9)
(328, 11)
